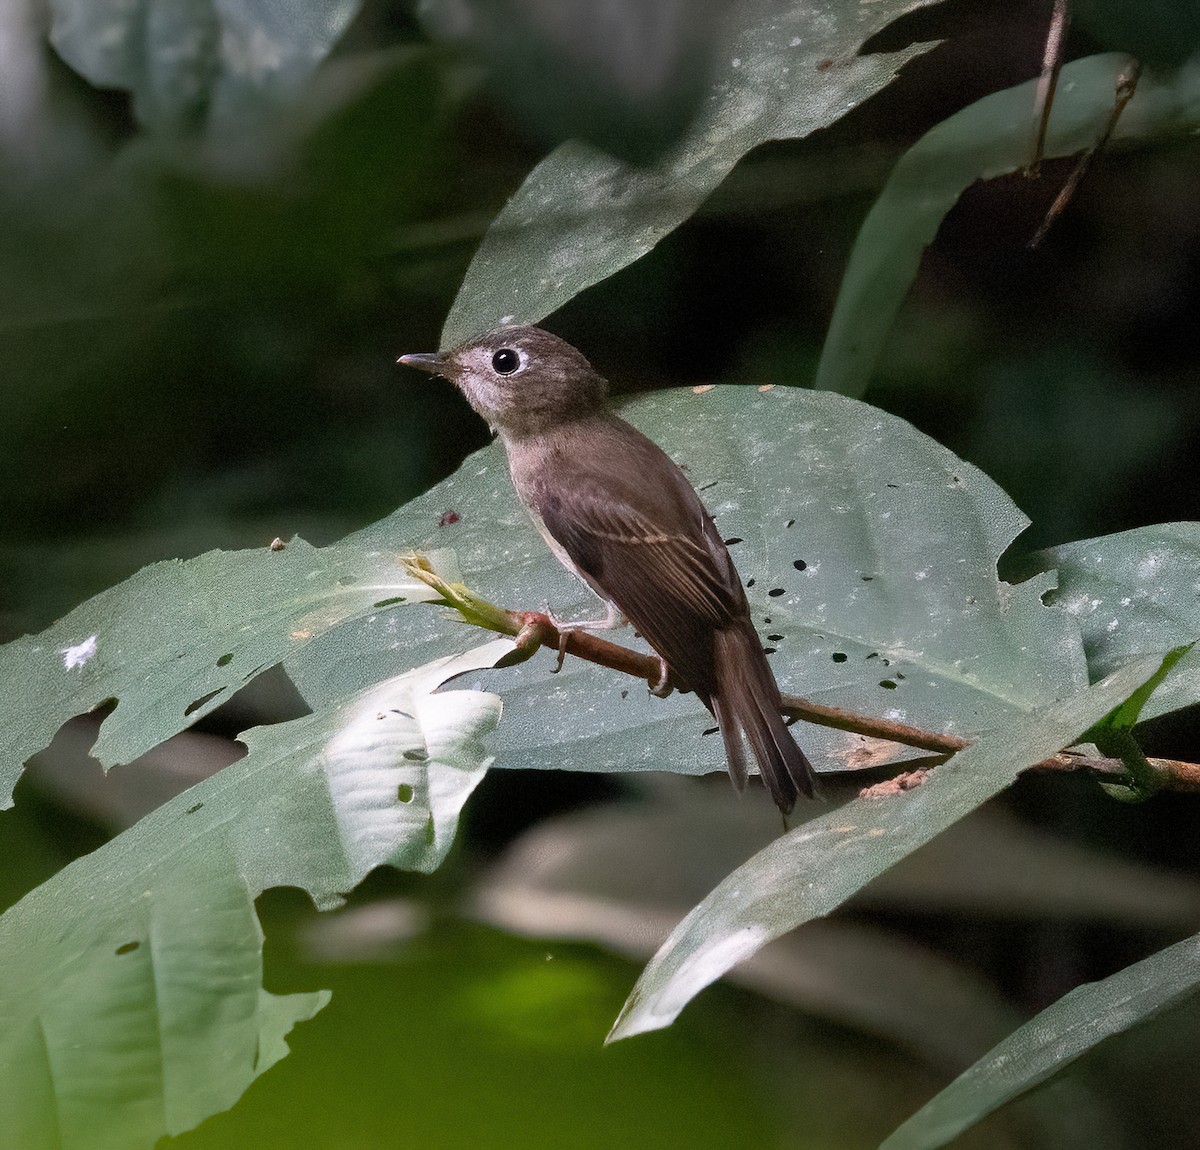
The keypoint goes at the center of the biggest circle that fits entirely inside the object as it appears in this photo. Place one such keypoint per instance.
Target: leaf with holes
(870, 553)
(131, 998)
(178, 638)
(1133, 593)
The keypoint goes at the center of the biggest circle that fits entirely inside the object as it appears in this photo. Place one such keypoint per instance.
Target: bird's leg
(612, 620)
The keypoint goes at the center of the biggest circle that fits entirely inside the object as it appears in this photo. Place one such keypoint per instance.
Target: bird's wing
(675, 584)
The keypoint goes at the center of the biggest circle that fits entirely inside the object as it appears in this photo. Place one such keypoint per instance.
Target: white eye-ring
(506, 361)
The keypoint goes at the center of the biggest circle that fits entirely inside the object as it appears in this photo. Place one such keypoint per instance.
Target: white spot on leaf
(80, 654)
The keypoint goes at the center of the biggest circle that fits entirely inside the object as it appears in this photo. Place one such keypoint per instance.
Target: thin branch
(1043, 98)
(796, 707)
(1126, 86)
(534, 630)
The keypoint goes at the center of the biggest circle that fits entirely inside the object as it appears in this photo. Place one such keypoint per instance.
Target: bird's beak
(432, 362)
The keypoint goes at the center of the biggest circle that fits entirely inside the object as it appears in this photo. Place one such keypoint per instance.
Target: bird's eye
(506, 361)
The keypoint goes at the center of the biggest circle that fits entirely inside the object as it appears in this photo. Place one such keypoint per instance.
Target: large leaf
(872, 553)
(175, 640)
(623, 75)
(623, 874)
(131, 1001)
(186, 61)
(814, 868)
(1053, 1040)
(1133, 593)
(990, 138)
(581, 215)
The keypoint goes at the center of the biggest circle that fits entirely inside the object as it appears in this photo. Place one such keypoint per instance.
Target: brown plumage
(619, 513)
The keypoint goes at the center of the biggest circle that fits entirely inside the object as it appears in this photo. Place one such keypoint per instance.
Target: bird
(618, 512)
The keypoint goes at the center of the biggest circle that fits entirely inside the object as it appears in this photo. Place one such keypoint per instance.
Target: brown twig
(534, 630)
(1126, 86)
(1043, 98)
(841, 720)
(1174, 774)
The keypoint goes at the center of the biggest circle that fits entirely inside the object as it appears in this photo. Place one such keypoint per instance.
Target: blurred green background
(197, 345)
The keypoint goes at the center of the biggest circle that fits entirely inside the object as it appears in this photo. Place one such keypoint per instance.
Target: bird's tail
(746, 701)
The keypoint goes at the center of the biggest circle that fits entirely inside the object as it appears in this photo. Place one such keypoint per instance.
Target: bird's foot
(611, 620)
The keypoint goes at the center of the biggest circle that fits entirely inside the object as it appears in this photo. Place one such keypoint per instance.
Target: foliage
(133, 1003)
(989, 138)
(582, 215)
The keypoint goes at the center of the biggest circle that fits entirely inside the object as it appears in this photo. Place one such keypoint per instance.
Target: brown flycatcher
(617, 511)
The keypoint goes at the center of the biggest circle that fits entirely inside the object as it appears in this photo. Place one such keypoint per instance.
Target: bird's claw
(563, 636)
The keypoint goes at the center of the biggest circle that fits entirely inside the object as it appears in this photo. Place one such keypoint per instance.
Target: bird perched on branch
(618, 512)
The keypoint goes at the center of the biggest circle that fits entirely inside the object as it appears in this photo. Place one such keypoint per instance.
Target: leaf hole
(888, 684)
(128, 947)
(799, 564)
(774, 638)
(838, 656)
(732, 541)
(196, 704)
(709, 731)
(770, 650)
(417, 755)
(866, 578)
(749, 582)
(790, 523)
(405, 793)
(225, 659)
(193, 808)
(389, 602)
(775, 592)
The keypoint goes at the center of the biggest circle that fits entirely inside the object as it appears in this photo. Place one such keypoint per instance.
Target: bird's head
(522, 380)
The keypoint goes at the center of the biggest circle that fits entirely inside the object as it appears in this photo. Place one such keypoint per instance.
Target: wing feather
(648, 545)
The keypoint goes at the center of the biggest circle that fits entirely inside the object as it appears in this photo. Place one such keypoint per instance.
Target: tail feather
(746, 700)
(731, 733)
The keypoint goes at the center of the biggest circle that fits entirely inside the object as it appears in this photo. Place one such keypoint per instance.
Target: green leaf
(1134, 593)
(872, 552)
(1124, 717)
(132, 1002)
(581, 215)
(1052, 1040)
(814, 868)
(624, 75)
(187, 61)
(178, 638)
(990, 138)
